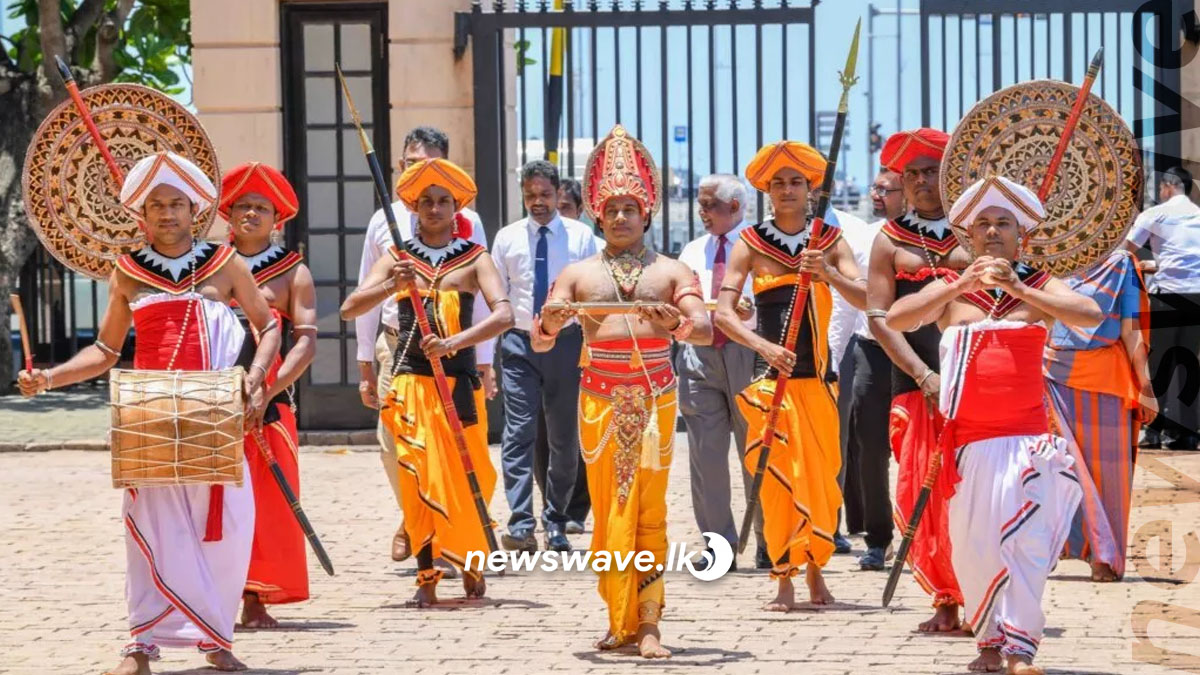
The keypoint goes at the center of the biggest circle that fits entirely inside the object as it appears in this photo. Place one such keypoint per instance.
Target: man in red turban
(910, 252)
(257, 200)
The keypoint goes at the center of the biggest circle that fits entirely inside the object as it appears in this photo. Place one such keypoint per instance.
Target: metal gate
(745, 77)
(966, 55)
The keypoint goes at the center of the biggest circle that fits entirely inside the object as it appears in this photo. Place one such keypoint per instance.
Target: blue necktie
(541, 271)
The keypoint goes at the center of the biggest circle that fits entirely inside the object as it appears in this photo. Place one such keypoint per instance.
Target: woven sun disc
(71, 197)
(176, 427)
(1097, 190)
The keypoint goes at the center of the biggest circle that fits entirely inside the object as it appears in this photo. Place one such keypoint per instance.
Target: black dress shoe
(1184, 443)
(1150, 440)
(701, 563)
(521, 540)
(556, 540)
(762, 561)
(574, 527)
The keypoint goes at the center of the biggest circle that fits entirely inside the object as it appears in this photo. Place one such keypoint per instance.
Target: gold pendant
(626, 269)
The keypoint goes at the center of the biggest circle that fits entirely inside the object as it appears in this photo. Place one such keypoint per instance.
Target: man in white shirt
(1172, 232)
(864, 395)
(421, 143)
(530, 253)
(711, 377)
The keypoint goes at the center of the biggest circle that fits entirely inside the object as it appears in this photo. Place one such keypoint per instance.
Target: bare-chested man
(258, 200)
(800, 495)
(440, 515)
(1013, 484)
(909, 253)
(183, 579)
(627, 397)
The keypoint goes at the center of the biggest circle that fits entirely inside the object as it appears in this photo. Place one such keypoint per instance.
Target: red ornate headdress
(264, 180)
(903, 147)
(620, 166)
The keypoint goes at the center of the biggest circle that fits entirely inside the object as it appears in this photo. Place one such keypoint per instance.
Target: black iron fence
(745, 75)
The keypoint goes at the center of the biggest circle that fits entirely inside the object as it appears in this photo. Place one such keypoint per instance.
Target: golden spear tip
(852, 57)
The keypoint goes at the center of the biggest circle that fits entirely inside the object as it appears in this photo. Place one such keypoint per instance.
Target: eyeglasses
(877, 190)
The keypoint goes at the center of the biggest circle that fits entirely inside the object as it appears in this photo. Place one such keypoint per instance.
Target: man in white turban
(1014, 487)
(187, 546)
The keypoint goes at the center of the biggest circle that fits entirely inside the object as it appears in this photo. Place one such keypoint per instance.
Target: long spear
(847, 79)
(264, 448)
(439, 375)
(935, 461)
(119, 178)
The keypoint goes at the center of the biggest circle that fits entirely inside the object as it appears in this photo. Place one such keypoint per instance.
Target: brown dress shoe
(401, 549)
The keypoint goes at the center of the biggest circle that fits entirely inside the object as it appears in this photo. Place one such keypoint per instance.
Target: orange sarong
(627, 470)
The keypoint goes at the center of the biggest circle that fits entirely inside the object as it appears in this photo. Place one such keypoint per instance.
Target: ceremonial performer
(187, 547)
(376, 330)
(440, 515)
(711, 377)
(258, 200)
(1014, 490)
(909, 253)
(627, 398)
(1102, 391)
(530, 254)
(799, 495)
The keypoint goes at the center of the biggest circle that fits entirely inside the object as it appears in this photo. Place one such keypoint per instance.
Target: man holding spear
(438, 480)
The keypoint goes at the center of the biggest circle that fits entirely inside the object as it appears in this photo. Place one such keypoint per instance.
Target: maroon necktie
(718, 276)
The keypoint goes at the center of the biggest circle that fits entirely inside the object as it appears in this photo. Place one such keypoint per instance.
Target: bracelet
(921, 380)
(497, 301)
(683, 329)
(876, 313)
(729, 288)
(684, 292)
(541, 332)
(271, 325)
(106, 349)
(49, 380)
(264, 370)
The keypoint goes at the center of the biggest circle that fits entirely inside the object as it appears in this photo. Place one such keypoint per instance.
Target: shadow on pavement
(680, 656)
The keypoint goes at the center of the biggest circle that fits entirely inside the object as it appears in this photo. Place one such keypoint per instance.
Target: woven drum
(176, 427)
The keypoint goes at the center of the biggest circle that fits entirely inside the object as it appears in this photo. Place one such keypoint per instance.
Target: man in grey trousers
(711, 377)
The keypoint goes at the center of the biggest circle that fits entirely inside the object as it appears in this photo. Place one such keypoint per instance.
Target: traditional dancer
(627, 397)
(799, 496)
(1102, 391)
(187, 546)
(440, 516)
(1014, 490)
(909, 253)
(258, 200)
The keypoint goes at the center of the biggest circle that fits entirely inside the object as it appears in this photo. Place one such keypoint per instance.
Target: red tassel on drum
(216, 509)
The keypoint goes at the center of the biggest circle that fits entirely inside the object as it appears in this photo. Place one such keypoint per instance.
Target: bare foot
(649, 642)
(475, 587)
(608, 642)
(225, 660)
(785, 600)
(1102, 573)
(134, 664)
(254, 613)
(1023, 665)
(426, 596)
(945, 619)
(988, 661)
(818, 592)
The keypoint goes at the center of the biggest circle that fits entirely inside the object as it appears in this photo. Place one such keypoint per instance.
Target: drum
(176, 427)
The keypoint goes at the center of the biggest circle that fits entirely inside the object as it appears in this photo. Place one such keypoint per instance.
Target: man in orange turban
(627, 398)
(910, 252)
(800, 495)
(440, 517)
(257, 200)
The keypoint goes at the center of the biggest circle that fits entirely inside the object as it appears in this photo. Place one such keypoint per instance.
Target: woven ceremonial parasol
(70, 195)
(1098, 189)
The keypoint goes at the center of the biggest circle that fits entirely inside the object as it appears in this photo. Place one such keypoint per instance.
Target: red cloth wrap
(914, 427)
(158, 326)
(1001, 388)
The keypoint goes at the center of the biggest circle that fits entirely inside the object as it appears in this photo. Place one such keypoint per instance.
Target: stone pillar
(236, 81)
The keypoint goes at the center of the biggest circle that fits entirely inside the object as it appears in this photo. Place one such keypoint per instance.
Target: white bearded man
(1015, 491)
(187, 546)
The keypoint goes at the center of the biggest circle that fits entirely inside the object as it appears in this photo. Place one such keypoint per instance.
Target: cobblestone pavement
(63, 612)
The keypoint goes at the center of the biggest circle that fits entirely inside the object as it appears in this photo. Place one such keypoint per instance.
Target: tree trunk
(20, 110)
